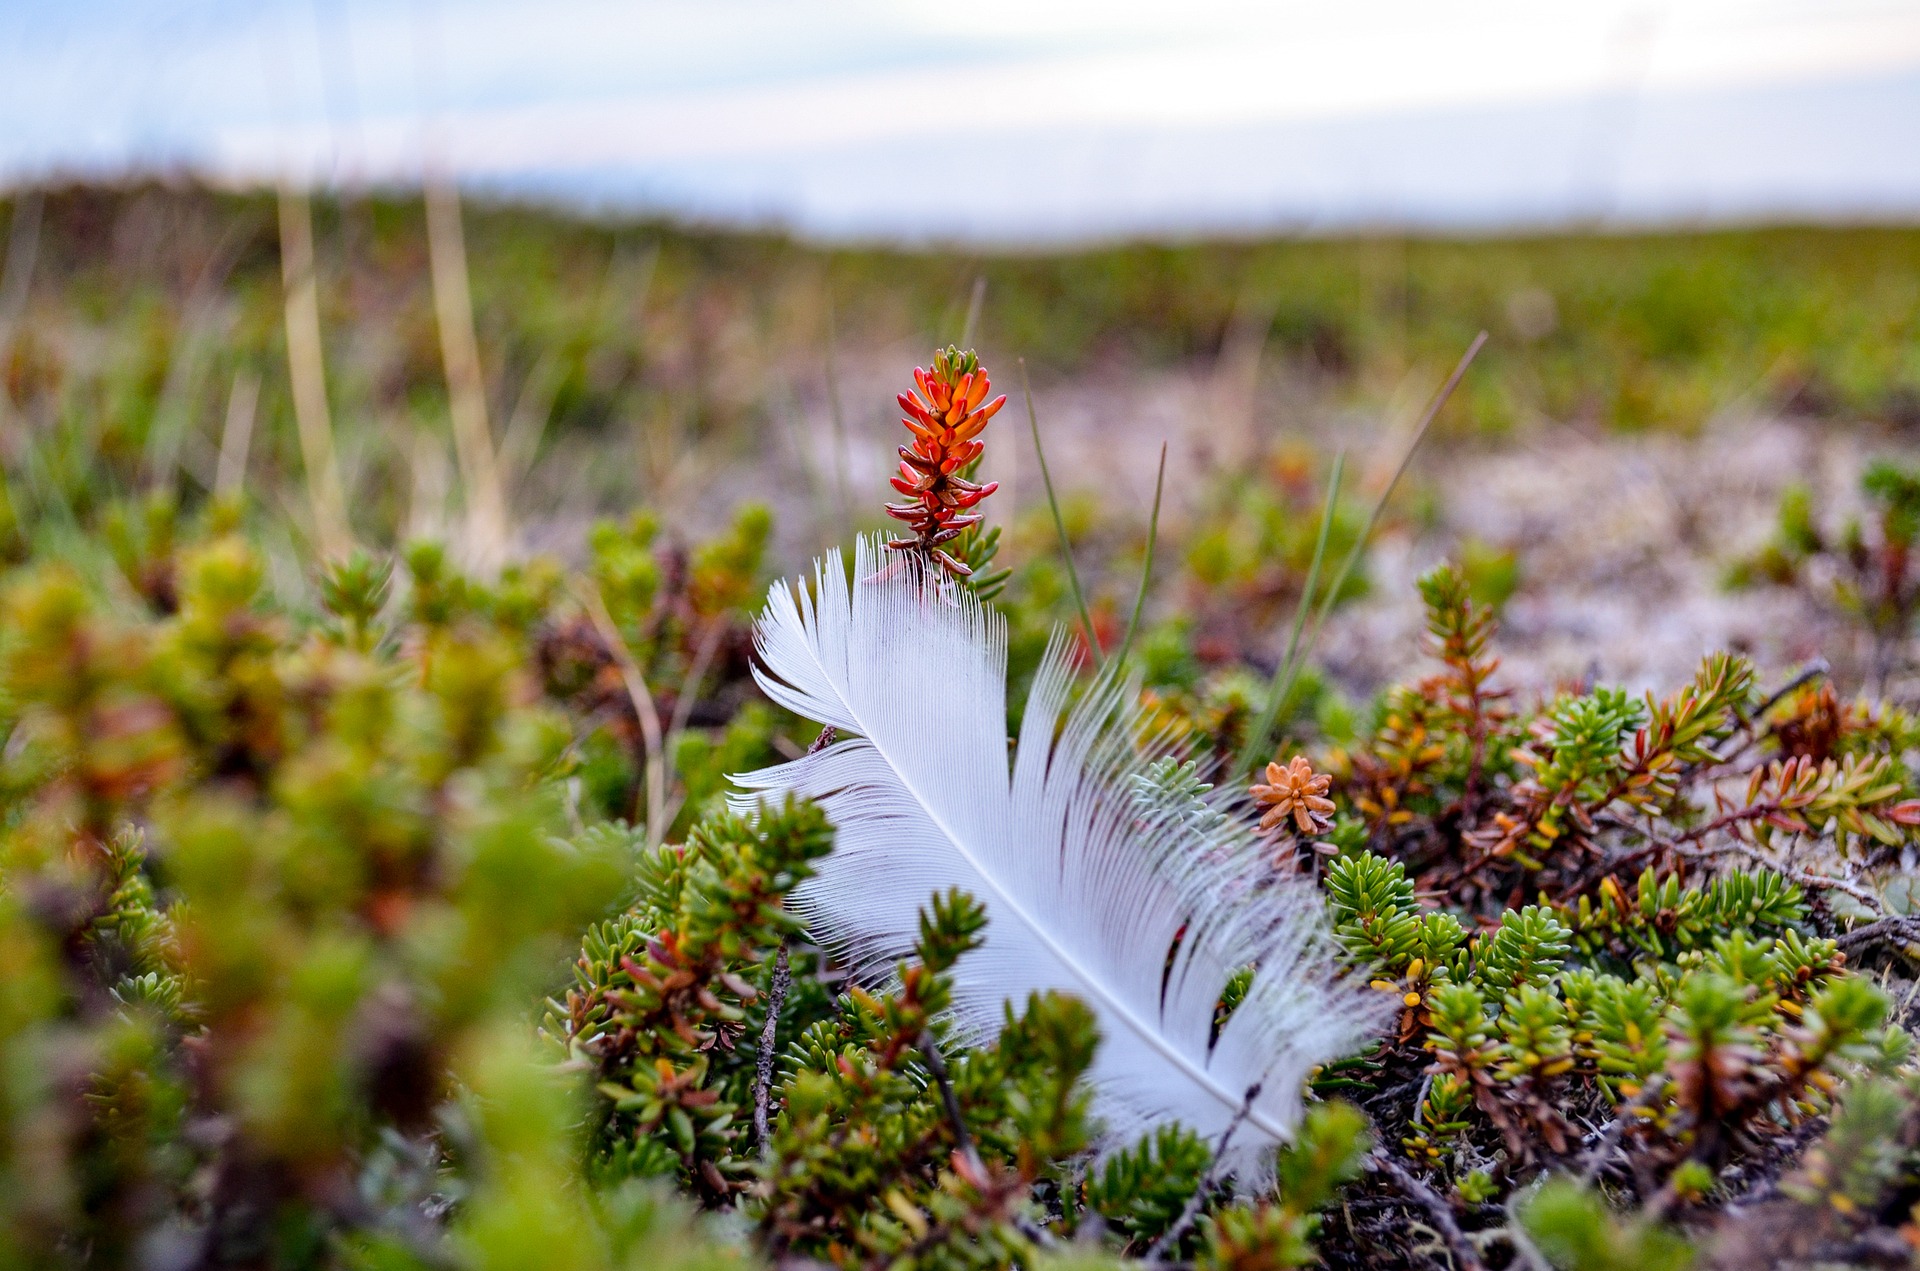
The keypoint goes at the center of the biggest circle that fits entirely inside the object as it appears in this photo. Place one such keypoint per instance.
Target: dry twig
(769, 1035)
(1438, 1212)
(1171, 1236)
(1901, 929)
(487, 525)
(588, 595)
(306, 367)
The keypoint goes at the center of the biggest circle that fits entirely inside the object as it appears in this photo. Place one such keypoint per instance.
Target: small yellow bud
(907, 1212)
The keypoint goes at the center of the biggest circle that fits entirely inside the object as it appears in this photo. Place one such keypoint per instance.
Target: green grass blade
(974, 303)
(1288, 670)
(1380, 504)
(1059, 521)
(839, 429)
(1146, 570)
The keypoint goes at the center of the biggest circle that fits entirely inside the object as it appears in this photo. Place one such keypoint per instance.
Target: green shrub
(284, 885)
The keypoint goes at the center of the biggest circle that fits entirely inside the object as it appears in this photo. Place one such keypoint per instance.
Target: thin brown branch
(1751, 723)
(1805, 878)
(963, 1138)
(1812, 671)
(588, 595)
(1897, 929)
(1595, 1158)
(690, 689)
(769, 1035)
(1726, 821)
(937, 1065)
(1170, 1238)
(1438, 1212)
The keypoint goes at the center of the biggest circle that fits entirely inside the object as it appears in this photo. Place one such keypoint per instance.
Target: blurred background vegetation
(142, 336)
(310, 791)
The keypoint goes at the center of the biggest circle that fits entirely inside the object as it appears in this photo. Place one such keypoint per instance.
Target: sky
(1003, 121)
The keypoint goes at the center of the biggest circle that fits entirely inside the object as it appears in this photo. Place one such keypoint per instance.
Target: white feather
(1142, 916)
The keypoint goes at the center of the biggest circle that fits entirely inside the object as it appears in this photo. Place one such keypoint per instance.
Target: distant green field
(147, 307)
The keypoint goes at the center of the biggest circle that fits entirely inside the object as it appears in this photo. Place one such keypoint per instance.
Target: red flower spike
(945, 416)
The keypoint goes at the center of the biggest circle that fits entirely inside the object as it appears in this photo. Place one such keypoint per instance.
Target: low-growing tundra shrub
(430, 928)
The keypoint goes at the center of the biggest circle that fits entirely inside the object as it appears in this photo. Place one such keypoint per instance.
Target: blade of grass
(819, 503)
(306, 369)
(1400, 470)
(587, 593)
(839, 428)
(1319, 556)
(973, 311)
(489, 528)
(16, 279)
(683, 711)
(1146, 569)
(1285, 672)
(170, 437)
(1290, 669)
(23, 249)
(1059, 521)
(236, 438)
(527, 422)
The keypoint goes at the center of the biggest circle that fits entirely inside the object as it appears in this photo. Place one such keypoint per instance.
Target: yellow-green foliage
(278, 892)
(276, 896)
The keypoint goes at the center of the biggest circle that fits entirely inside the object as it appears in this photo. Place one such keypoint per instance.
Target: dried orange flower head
(946, 412)
(1297, 793)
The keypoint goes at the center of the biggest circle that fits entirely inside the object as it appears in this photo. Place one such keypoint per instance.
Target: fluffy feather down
(1142, 915)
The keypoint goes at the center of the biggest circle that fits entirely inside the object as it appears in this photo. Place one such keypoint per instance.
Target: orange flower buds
(946, 416)
(1295, 793)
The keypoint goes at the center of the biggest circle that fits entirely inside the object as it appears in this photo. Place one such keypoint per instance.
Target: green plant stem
(306, 372)
(1059, 522)
(839, 429)
(974, 304)
(1291, 667)
(1146, 569)
(1380, 504)
(1288, 670)
(588, 595)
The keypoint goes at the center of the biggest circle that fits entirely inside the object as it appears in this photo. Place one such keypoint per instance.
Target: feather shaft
(1143, 912)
